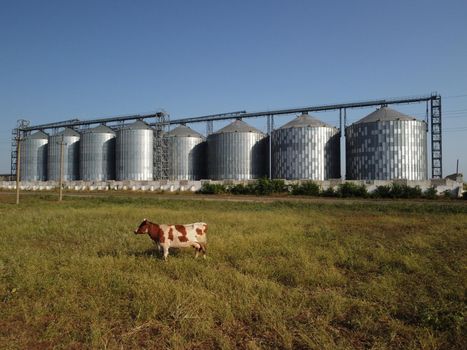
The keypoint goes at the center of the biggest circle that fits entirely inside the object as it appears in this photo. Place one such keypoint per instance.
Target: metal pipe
(345, 117)
(270, 146)
(340, 120)
(60, 186)
(212, 117)
(310, 109)
(243, 114)
(70, 124)
(18, 167)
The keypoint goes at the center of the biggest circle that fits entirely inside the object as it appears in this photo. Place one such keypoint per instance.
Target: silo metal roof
(137, 125)
(384, 114)
(184, 131)
(238, 126)
(38, 135)
(303, 121)
(67, 132)
(101, 129)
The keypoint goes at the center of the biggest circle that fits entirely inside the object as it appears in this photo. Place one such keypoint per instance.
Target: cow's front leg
(166, 250)
(159, 248)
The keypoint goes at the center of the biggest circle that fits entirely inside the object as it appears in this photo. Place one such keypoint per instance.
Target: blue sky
(89, 59)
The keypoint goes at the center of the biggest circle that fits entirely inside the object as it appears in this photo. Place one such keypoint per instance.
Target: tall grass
(278, 275)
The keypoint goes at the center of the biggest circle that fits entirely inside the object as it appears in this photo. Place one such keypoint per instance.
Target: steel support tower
(161, 152)
(436, 138)
(17, 135)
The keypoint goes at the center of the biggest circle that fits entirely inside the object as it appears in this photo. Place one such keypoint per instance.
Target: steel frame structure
(161, 152)
(16, 136)
(163, 121)
(436, 138)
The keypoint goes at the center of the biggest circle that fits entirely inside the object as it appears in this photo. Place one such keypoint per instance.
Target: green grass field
(291, 275)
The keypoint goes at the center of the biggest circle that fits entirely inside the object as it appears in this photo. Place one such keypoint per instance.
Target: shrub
(430, 193)
(382, 192)
(242, 189)
(447, 194)
(330, 192)
(349, 189)
(265, 186)
(412, 192)
(396, 190)
(209, 188)
(307, 188)
(239, 189)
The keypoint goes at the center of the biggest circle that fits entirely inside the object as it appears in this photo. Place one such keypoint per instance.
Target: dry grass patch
(279, 275)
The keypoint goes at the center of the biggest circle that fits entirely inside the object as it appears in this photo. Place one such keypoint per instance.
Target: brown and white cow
(176, 236)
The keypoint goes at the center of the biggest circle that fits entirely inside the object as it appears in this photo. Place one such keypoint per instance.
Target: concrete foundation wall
(455, 187)
(170, 186)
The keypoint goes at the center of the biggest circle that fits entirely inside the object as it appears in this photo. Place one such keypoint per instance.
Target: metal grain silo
(237, 151)
(186, 154)
(70, 139)
(386, 145)
(97, 154)
(33, 163)
(134, 152)
(305, 148)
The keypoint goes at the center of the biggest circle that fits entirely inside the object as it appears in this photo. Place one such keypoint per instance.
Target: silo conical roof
(67, 132)
(238, 126)
(101, 129)
(137, 125)
(184, 131)
(384, 114)
(38, 135)
(303, 121)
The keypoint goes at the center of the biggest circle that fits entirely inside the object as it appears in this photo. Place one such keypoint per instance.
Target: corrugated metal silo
(237, 151)
(33, 163)
(134, 152)
(70, 155)
(386, 145)
(187, 154)
(97, 154)
(306, 148)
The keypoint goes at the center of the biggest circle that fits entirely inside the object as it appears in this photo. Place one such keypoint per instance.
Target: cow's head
(143, 227)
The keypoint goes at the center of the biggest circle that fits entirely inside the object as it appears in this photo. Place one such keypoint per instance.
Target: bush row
(263, 186)
(266, 186)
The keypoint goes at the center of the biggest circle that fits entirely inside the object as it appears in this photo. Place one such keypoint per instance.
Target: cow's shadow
(151, 252)
(154, 252)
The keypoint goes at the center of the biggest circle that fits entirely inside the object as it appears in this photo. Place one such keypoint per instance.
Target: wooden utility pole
(60, 185)
(18, 167)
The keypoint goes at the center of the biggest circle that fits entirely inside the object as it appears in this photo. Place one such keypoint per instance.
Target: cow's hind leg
(203, 249)
(197, 247)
